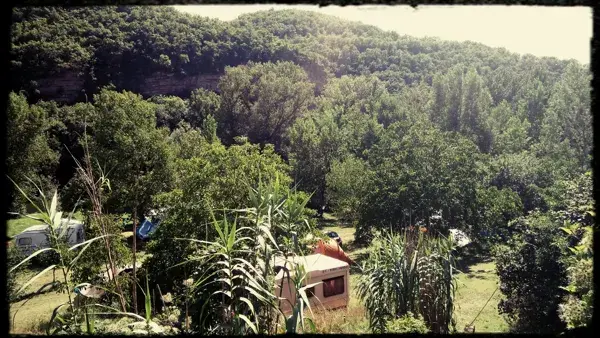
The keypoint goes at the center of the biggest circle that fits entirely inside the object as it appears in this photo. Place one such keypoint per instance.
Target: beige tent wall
(318, 301)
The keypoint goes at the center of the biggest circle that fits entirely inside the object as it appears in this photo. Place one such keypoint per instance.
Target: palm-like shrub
(68, 257)
(234, 275)
(231, 279)
(409, 272)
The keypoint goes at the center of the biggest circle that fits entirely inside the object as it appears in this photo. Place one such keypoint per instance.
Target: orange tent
(333, 250)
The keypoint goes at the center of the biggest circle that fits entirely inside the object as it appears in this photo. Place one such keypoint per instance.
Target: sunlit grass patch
(475, 287)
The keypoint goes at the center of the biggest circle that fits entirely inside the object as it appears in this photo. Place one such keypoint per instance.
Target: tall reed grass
(409, 272)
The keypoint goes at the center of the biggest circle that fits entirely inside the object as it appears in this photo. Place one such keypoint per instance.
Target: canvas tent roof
(316, 264)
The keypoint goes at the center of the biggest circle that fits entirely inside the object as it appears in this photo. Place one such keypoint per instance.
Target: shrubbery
(407, 324)
(531, 274)
(409, 272)
(545, 268)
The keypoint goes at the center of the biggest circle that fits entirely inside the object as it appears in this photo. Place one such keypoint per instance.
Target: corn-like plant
(68, 257)
(276, 217)
(95, 186)
(409, 272)
(237, 283)
(297, 280)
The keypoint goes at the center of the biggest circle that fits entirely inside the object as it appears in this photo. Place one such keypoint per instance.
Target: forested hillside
(384, 130)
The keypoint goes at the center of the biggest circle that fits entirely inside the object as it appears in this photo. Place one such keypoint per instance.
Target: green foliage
(170, 110)
(420, 172)
(347, 184)
(127, 143)
(578, 214)
(91, 267)
(13, 257)
(315, 141)
(202, 103)
(509, 131)
(68, 257)
(260, 101)
(569, 110)
(187, 142)
(577, 308)
(215, 177)
(531, 272)
(406, 273)
(232, 270)
(28, 154)
(573, 199)
(403, 131)
(407, 324)
(462, 103)
(525, 174)
(496, 208)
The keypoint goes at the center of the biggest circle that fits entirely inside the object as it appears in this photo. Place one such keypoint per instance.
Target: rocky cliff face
(64, 87)
(67, 86)
(170, 84)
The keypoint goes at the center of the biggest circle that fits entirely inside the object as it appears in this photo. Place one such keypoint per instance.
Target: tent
(333, 275)
(146, 229)
(332, 249)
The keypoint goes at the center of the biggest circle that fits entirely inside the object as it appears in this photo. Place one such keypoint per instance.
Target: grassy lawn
(33, 312)
(15, 226)
(475, 287)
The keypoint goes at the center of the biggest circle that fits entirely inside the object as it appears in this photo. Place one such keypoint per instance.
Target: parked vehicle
(36, 237)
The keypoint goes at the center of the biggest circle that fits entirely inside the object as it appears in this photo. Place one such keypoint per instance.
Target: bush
(13, 257)
(410, 272)
(576, 311)
(407, 324)
(531, 273)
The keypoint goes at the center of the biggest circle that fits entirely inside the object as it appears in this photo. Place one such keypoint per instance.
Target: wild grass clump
(409, 272)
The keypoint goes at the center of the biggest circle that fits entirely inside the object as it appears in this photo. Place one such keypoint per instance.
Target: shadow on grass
(48, 287)
(470, 255)
(472, 275)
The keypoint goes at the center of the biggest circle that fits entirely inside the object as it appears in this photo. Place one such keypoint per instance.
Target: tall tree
(261, 101)
(568, 112)
(475, 105)
(202, 103)
(448, 100)
(127, 142)
(418, 173)
(28, 154)
(509, 130)
(315, 142)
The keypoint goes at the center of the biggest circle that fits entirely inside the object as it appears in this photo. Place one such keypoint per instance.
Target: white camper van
(331, 293)
(36, 237)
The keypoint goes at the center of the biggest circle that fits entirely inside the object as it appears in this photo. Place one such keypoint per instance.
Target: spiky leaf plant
(409, 272)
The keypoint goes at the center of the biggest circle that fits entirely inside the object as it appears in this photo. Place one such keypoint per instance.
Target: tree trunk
(134, 279)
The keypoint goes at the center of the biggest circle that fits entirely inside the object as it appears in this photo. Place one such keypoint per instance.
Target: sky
(561, 32)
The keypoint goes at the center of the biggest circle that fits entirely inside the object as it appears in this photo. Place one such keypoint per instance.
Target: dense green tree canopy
(385, 131)
(261, 101)
(132, 150)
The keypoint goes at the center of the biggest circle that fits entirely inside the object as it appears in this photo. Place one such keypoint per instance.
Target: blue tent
(146, 229)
